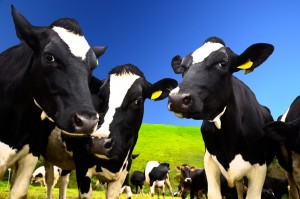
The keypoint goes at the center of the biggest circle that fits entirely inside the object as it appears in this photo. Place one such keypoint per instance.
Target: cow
(119, 101)
(285, 131)
(233, 120)
(39, 175)
(44, 83)
(137, 179)
(189, 174)
(157, 175)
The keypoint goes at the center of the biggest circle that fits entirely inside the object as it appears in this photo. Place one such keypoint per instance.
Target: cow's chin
(188, 115)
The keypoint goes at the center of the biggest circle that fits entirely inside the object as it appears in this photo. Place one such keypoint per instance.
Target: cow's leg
(240, 188)
(128, 192)
(83, 177)
(293, 191)
(113, 188)
(64, 181)
(22, 175)
(142, 190)
(152, 189)
(256, 177)
(49, 177)
(163, 191)
(168, 183)
(213, 177)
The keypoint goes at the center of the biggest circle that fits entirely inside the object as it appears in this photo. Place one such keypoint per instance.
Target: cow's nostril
(78, 121)
(186, 100)
(108, 144)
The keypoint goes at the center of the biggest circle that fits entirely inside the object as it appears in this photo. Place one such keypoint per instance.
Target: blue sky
(149, 33)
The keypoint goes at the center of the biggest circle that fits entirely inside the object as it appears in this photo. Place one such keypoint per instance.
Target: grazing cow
(137, 179)
(46, 76)
(157, 175)
(286, 132)
(39, 175)
(120, 104)
(233, 120)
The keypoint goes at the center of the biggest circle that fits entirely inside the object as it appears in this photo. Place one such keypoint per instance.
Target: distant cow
(119, 100)
(137, 179)
(39, 175)
(286, 132)
(45, 76)
(157, 175)
(192, 181)
(233, 120)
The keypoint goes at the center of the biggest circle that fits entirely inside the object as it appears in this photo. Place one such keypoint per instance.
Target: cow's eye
(222, 64)
(49, 58)
(138, 102)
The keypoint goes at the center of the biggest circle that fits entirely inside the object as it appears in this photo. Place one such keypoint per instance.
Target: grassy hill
(166, 143)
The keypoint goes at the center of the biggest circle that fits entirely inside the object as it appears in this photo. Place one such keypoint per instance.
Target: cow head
(185, 172)
(60, 71)
(285, 133)
(207, 77)
(121, 106)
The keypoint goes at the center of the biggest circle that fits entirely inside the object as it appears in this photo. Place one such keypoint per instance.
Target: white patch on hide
(77, 43)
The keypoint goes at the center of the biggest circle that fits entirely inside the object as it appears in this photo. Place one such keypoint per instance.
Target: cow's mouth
(100, 146)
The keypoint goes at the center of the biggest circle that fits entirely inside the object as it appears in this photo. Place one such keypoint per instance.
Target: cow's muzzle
(100, 146)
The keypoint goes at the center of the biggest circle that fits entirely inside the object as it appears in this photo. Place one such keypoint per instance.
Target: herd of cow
(51, 105)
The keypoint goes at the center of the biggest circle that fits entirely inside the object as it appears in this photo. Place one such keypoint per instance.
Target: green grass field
(165, 143)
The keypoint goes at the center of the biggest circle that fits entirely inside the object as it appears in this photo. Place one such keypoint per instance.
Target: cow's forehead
(118, 86)
(77, 43)
(204, 51)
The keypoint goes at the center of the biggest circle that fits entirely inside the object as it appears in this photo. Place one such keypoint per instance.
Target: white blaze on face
(119, 85)
(204, 51)
(77, 43)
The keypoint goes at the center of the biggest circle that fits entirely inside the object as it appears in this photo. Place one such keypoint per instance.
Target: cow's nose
(180, 101)
(85, 122)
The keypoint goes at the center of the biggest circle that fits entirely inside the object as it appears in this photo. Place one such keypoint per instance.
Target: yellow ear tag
(156, 95)
(246, 65)
(97, 62)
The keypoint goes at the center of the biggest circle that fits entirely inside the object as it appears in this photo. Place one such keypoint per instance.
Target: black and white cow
(286, 132)
(233, 120)
(45, 76)
(137, 179)
(157, 175)
(120, 104)
(39, 175)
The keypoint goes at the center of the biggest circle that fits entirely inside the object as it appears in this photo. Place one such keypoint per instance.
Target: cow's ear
(178, 168)
(281, 131)
(253, 56)
(192, 168)
(176, 64)
(99, 50)
(161, 89)
(24, 30)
